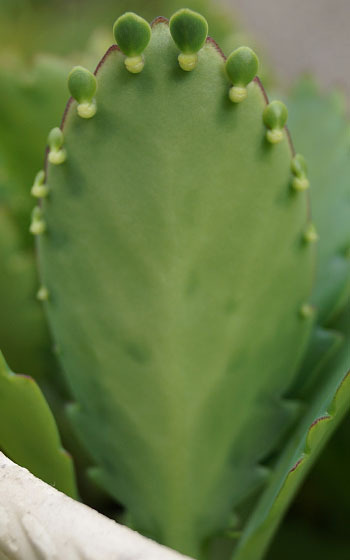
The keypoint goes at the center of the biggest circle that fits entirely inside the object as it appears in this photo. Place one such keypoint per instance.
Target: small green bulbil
(42, 294)
(37, 225)
(39, 188)
(132, 34)
(189, 31)
(57, 153)
(310, 234)
(299, 169)
(307, 311)
(241, 67)
(82, 86)
(275, 117)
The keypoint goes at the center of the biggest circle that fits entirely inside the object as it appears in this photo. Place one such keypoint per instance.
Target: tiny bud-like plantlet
(310, 234)
(57, 153)
(38, 225)
(275, 117)
(42, 294)
(132, 34)
(307, 311)
(189, 31)
(241, 67)
(299, 169)
(82, 86)
(39, 189)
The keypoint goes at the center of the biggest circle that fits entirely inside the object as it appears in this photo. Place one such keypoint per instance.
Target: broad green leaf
(176, 268)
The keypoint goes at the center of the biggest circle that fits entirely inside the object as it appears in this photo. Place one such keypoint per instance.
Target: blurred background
(301, 35)
(40, 40)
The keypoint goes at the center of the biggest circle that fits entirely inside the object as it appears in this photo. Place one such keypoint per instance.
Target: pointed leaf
(328, 406)
(28, 433)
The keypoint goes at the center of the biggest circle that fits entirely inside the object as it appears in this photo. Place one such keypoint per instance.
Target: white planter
(39, 523)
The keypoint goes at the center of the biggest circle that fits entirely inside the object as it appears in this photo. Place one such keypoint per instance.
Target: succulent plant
(177, 258)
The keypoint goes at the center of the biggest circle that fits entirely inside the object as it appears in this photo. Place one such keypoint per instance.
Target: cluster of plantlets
(177, 255)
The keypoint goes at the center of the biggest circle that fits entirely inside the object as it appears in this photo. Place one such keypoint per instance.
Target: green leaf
(242, 66)
(321, 132)
(132, 34)
(330, 402)
(189, 30)
(176, 268)
(30, 99)
(22, 321)
(323, 345)
(28, 433)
